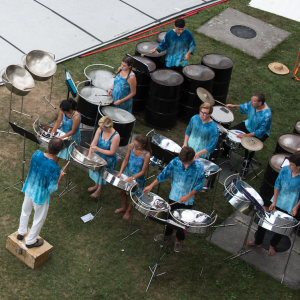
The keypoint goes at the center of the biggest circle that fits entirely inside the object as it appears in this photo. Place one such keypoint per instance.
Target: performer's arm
(273, 205)
(132, 83)
(186, 198)
(58, 121)
(148, 188)
(232, 106)
(62, 174)
(125, 161)
(144, 169)
(295, 209)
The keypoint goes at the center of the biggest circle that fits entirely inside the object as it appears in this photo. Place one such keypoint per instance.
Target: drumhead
(208, 165)
(222, 114)
(217, 61)
(165, 143)
(276, 161)
(102, 79)
(145, 47)
(167, 77)
(89, 94)
(198, 72)
(151, 65)
(233, 136)
(154, 201)
(118, 115)
(191, 216)
(161, 36)
(297, 126)
(289, 142)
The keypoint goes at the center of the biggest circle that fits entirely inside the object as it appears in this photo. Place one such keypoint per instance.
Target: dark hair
(130, 62)
(180, 23)
(55, 146)
(66, 105)
(144, 141)
(260, 97)
(186, 154)
(295, 158)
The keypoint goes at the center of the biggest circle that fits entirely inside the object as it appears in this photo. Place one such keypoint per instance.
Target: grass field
(88, 262)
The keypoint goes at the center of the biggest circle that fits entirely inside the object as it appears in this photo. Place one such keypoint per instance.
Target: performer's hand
(187, 56)
(240, 136)
(184, 145)
(184, 199)
(298, 149)
(147, 189)
(62, 174)
(129, 179)
(93, 149)
(272, 207)
(109, 93)
(119, 175)
(229, 106)
(153, 50)
(294, 212)
(197, 155)
(266, 208)
(117, 102)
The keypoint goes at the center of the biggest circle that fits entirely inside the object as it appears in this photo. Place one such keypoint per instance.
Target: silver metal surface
(276, 221)
(276, 161)
(160, 36)
(237, 198)
(232, 141)
(289, 142)
(194, 221)
(40, 64)
(167, 77)
(95, 162)
(118, 115)
(211, 171)
(94, 95)
(165, 143)
(217, 61)
(198, 72)
(100, 78)
(220, 116)
(17, 80)
(145, 47)
(111, 177)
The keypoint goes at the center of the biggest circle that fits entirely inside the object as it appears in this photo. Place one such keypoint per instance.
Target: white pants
(40, 214)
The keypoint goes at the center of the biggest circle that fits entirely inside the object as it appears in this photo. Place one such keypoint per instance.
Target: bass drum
(124, 122)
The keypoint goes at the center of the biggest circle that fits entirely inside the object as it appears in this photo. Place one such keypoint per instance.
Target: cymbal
(252, 143)
(205, 96)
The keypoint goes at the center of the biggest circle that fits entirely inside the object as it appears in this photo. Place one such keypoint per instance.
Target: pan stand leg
(95, 124)
(23, 170)
(50, 94)
(162, 167)
(205, 257)
(154, 268)
(225, 225)
(228, 161)
(215, 191)
(130, 233)
(8, 132)
(21, 112)
(289, 254)
(243, 250)
(68, 182)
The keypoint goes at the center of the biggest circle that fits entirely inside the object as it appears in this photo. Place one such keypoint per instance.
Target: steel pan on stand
(195, 76)
(100, 77)
(42, 66)
(211, 171)
(288, 143)
(123, 120)
(163, 102)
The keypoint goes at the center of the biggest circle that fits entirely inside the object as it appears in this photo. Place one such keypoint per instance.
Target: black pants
(177, 69)
(180, 235)
(242, 127)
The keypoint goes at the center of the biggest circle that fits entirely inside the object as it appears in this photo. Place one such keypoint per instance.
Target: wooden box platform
(33, 257)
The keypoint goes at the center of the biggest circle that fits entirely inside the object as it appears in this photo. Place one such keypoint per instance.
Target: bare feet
(127, 215)
(271, 251)
(93, 188)
(120, 210)
(96, 194)
(252, 243)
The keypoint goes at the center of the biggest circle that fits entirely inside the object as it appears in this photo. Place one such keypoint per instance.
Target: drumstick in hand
(88, 144)
(220, 102)
(65, 166)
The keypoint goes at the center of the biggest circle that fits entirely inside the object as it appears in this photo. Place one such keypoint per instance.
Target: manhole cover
(243, 32)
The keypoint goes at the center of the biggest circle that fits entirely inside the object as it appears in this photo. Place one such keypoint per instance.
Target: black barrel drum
(271, 174)
(143, 84)
(163, 102)
(194, 76)
(222, 66)
(297, 128)
(124, 122)
(161, 36)
(288, 143)
(157, 57)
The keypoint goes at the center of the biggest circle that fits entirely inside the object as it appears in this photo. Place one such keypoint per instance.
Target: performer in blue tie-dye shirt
(187, 178)
(286, 198)
(135, 165)
(179, 44)
(257, 125)
(124, 87)
(42, 181)
(202, 133)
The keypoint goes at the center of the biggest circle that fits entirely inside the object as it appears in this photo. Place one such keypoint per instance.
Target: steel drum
(222, 115)
(235, 197)
(149, 203)
(111, 177)
(165, 143)
(100, 78)
(211, 171)
(232, 140)
(160, 36)
(40, 64)
(88, 101)
(95, 162)
(194, 221)
(297, 128)
(17, 80)
(277, 221)
(124, 122)
(288, 142)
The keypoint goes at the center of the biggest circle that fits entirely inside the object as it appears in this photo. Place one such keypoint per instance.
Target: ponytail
(144, 141)
(66, 105)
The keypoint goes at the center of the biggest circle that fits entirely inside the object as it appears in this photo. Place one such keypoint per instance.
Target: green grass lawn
(88, 261)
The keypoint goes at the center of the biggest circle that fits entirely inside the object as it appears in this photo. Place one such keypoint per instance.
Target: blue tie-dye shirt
(183, 181)
(177, 47)
(202, 136)
(289, 189)
(258, 122)
(42, 179)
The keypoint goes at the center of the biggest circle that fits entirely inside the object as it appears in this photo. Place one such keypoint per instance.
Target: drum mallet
(256, 175)
(63, 169)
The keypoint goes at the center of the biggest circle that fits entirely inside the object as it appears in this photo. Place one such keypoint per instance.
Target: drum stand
(290, 252)
(49, 101)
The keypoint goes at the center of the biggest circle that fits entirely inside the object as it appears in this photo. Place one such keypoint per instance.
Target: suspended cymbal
(205, 96)
(252, 143)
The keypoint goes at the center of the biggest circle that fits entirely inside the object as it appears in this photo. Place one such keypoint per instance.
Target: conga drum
(288, 143)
